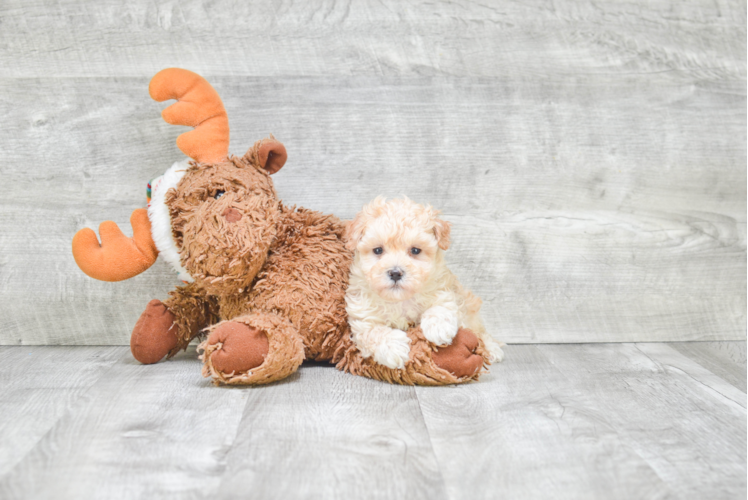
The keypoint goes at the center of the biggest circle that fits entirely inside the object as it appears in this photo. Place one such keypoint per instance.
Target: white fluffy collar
(158, 213)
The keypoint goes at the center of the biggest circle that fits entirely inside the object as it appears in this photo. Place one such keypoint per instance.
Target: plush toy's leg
(460, 358)
(459, 362)
(154, 334)
(166, 328)
(258, 348)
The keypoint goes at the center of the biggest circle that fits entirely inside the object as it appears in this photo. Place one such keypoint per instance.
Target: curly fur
(269, 280)
(224, 256)
(285, 355)
(403, 236)
(283, 270)
(419, 370)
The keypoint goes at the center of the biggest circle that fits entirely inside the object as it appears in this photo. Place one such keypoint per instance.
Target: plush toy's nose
(232, 215)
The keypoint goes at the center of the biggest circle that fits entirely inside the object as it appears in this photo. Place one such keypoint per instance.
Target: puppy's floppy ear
(442, 229)
(354, 231)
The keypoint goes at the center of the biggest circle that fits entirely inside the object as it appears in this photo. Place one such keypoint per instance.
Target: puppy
(399, 278)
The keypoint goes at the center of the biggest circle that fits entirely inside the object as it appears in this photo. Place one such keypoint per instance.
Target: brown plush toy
(265, 282)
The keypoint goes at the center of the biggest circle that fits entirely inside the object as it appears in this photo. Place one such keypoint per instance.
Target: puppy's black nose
(395, 275)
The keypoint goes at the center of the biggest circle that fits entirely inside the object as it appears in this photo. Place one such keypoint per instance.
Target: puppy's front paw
(393, 350)
(495, 353)
(439, 325)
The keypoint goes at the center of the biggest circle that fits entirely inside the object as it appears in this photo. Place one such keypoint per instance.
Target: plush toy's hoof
(459, 358)
(154, 334)
(242, 349)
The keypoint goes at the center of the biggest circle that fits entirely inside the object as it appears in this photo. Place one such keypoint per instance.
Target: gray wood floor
(634, 420)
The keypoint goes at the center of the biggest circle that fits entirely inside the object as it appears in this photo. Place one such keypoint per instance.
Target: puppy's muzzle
(396, 274)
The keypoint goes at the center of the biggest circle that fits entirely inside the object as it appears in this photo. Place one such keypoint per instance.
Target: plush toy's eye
(378, 251)
(219, 194)
(415, 251)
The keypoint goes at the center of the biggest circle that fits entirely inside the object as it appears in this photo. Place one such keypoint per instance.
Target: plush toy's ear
(442, 229)
(268, 154)
(272, 155)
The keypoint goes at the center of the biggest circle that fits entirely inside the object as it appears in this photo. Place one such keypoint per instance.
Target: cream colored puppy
(399, 278)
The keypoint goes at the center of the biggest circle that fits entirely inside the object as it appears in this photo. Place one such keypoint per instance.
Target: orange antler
(118, 257)
(198, 106)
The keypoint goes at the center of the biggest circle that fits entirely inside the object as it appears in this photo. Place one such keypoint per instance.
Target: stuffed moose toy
(264, 282)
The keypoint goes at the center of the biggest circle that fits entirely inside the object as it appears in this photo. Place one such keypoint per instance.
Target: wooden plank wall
(592, 156)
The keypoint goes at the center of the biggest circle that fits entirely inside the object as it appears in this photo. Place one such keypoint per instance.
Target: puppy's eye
(378, 251)
(415, 251)
(219, 194)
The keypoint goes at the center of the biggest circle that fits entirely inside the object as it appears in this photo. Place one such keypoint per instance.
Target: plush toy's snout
(232, 215)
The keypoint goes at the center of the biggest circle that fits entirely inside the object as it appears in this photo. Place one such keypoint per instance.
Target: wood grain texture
(337, 436)
(157, 431)
(564, 421)
(39, 386)
(591, 157)
(725, 359)
(591, 421)
(334, 38)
